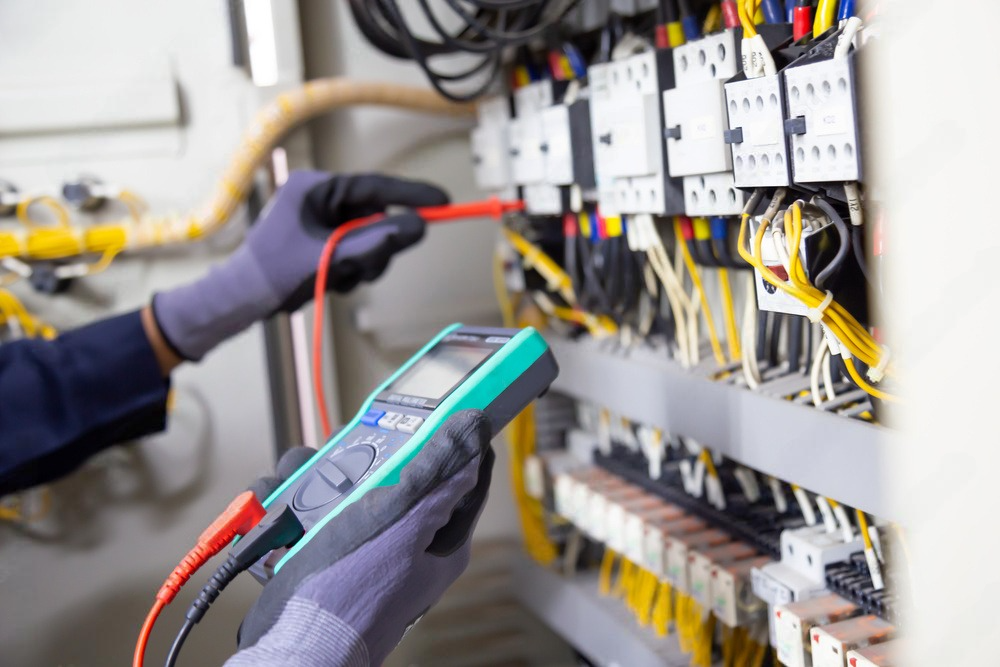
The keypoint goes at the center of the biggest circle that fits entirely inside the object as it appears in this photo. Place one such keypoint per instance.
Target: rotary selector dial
(334, 476)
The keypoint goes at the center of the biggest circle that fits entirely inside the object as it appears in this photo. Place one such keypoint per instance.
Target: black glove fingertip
(263, 487)
(292, 460)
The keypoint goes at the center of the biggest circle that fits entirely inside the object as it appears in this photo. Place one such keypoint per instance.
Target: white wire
(846, 38)
(828, 378)
(675, 295)
(822, 351)
(854, 203)
(751, 372)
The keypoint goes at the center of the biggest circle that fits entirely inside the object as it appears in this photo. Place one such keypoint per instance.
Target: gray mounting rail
(600, 628)
(841, 458)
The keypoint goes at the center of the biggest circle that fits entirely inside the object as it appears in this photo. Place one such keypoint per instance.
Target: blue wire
(576, 60)
(720, 228)
(846, 10)
(789, 11)
(772, 11)
(692, 30)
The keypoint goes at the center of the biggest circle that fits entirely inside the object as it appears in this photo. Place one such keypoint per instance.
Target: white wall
(936, 148)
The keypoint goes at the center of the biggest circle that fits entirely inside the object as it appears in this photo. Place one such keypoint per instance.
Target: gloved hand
(275, 267)
(347, 598)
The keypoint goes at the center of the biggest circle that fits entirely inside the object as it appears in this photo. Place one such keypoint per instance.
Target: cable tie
(877, 372)
(815, 315)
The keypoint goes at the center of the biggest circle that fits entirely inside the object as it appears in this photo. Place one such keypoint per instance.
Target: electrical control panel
(713, 202)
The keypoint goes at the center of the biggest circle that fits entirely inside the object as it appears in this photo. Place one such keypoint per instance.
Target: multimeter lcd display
(439, 371)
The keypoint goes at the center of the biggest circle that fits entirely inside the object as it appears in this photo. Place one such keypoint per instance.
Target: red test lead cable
(493, 207)
(239, 518)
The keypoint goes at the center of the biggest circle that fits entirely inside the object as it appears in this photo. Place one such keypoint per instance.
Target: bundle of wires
(489, 27)
(853, 339)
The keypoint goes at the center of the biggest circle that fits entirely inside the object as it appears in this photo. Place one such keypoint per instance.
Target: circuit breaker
(695, 122)
(822, 121)
(756, 133)
(625, 126)
(490, 141)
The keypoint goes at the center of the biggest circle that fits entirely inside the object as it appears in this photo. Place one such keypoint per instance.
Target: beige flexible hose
(287, 111)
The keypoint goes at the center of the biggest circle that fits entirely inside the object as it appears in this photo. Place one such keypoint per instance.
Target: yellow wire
(663, 609)
(713, 19)
(863, 527)
(607, 568)
(12, 309)
(826, 12)
(503, 296)
(858, 380)
(749, 29)
(692, 268)
(841, 323)
(535, 258)
(729, 310)
(706, 457)
(62, 215)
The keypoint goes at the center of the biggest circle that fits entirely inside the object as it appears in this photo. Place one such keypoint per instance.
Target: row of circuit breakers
(673, 131)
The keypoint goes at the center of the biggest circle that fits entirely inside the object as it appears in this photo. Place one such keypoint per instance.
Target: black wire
(434, 77)
(175, 648)
(762, 319)
(795, 343)
(775, 340)
(809, 347)
(453, 41)
(835, 264)
(858, 242)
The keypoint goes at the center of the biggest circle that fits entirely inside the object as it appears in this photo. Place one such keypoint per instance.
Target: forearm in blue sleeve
(61, 401)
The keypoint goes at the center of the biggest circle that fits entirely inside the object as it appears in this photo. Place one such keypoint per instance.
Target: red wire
(319, 292)
(492, 207)
(242, 514)
(147, 628)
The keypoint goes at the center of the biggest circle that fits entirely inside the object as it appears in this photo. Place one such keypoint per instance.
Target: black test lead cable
(280, 528)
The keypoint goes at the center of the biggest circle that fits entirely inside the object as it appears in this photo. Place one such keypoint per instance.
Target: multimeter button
(390, 420)
(409, 424)
(371, 417)
(333, 477)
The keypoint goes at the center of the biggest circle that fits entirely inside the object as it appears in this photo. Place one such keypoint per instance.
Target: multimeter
(498, 371)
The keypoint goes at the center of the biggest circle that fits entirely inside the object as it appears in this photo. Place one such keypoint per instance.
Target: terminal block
(794, 624)
(733, 600)
(831, 643)
(885, 654)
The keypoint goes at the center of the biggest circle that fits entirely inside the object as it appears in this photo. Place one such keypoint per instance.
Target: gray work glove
(275, 268)
(347, 598)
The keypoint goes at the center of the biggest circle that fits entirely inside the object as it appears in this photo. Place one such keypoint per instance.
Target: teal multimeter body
(498, 371)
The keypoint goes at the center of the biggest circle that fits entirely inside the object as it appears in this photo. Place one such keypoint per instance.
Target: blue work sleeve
(61, 401)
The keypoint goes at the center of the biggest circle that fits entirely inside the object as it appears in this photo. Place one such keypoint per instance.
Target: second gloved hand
(275, 267)
(348, 596)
